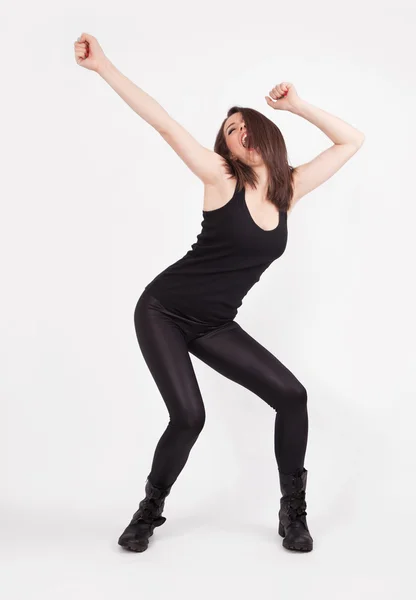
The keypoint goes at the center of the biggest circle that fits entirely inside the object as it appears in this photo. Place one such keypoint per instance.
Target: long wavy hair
(264, 135)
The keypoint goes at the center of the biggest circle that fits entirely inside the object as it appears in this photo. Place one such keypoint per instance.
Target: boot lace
(147, 512)
(296, 505)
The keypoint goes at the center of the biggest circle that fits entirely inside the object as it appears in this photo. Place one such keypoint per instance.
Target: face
(234, 128)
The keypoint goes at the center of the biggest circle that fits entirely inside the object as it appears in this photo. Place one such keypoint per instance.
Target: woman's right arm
(144, 105)
(204, 163)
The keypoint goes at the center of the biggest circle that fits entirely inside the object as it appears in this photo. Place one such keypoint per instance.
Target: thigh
(238, 356)
(165, 351)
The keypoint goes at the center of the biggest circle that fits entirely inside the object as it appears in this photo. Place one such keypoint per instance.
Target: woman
(191, 306)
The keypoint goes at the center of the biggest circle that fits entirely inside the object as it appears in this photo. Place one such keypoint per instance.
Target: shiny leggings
(166, 338)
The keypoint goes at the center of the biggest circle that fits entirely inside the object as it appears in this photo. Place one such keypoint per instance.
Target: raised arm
(347, 141)
(204, 163)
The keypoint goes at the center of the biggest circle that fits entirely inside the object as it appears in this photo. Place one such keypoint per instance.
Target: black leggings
(165, 340)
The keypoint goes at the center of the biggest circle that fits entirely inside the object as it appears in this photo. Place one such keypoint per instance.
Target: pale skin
(206, 164)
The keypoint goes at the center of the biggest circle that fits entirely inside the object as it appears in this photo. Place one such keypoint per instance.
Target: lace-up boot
(148, 516)
(292, 514)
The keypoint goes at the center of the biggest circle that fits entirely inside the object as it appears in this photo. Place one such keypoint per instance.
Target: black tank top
(209, 282)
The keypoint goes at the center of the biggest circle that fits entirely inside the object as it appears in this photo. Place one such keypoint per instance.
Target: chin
(255, 158)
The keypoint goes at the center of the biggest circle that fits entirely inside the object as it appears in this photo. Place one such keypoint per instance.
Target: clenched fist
(88, 52)
(283, 96)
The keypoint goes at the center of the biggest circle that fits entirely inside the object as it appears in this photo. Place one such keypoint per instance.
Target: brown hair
(264, 135)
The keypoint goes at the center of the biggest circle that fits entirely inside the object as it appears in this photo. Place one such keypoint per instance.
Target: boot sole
(135, 545)
(294, 546)
(132, 547)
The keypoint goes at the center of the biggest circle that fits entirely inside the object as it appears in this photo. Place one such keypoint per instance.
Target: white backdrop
(95, 204)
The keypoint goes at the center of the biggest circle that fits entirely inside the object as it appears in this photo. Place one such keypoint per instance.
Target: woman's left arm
(347, 140)
(335, 128)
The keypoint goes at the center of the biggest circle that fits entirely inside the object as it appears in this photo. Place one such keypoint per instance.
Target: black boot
(148, 516)
(292, 514)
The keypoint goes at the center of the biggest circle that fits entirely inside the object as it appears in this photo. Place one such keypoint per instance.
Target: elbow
(360, 140)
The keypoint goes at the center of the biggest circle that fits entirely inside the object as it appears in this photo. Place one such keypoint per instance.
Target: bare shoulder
(217, 193)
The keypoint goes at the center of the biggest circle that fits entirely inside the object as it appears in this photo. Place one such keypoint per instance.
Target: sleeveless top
(209, 282)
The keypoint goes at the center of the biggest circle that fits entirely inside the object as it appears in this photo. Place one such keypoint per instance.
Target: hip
(192, 321)
(200, 304)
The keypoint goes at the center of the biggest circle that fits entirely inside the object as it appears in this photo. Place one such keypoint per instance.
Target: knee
(190, 421)
(296, 397)
(291, 398)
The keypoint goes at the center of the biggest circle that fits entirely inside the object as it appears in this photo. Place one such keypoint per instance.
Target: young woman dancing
(191, 306)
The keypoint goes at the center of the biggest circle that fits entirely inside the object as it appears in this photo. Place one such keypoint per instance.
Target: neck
(263, 177)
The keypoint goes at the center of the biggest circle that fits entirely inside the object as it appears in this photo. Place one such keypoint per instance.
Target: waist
(205, 306)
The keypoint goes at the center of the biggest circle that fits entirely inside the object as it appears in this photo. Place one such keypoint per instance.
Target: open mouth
(244, 142)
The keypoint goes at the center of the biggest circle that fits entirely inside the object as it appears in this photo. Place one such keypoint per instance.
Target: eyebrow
(226, 129)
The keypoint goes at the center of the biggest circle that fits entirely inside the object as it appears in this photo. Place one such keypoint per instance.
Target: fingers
(86, 37)
(81, 49)
(278, 91)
